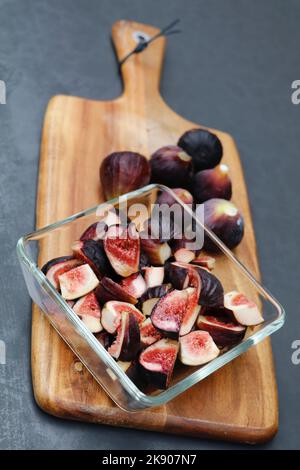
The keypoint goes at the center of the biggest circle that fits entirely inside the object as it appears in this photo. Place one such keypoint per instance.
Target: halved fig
(184, 256)
(244, 310)
(204, 261)
(149, 334)
(148, 305)
(197, 348)
(88, 309)
(169, 311)
(92, 252)
(177, 275)
(212, 292)
(127, 343)
(157, 252)
(122, 247)
(57, 266)
(112, 312)
(110, 290)
(224, 332)
(134, 285)
(154, 276)
(77, 282)
(158, 360)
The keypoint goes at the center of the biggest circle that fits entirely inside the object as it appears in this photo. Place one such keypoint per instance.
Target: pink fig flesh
(109, 290)
(169, 311)
(77, 282)
(88, 309)
(244, 310)
(122, 247)
(197, 348)
(154, 276)
(158, 362)
(149, 334)
(223, 331)
(127, 343)
(58, 266)
(135, 285)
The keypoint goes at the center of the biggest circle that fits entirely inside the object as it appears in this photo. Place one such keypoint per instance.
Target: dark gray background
(231, 68)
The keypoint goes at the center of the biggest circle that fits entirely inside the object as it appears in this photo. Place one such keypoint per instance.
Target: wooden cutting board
(239, 402)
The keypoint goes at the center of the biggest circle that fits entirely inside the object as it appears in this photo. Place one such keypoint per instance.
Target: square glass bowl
(55, 240)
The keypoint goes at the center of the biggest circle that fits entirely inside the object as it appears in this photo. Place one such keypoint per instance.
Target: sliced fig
(149, 334)
(134, 285)
(223, 331)
(158, 360)
(148, 305)
(122, 247)
(157, 291)
(184, 256)
(244, 310)
(154, 276)
(157, 252)
(204, 261)
(197, 348)
(110, 290)
(112, 312)
(191, 312)
(212, 292)
(88, 309)
(144, 260)
(127, 343)
(92, 252)
(169, 311)
(177, 275)
(58, 266)
(77, 282)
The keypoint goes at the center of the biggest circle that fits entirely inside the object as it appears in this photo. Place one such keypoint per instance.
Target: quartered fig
(171, 166)
(88, 309)
(244, 310)
(177, 275)
(157, 362)
(157, 291)
(58, 266)
(122, 247)
(77, 282)
(205, 261)
(109, 290)
(169, 311)
(104, 338)
(213, 183)
(144, 260)
(223, 330)
(225, 220)
(122, 172)
(184, 256)
(112, 312)
(154, 276)
(134, 285)
(203, 146)
(149, 334)
(97, 230)
(92, 252)
(212, 292)
(197, 348)
(157, 252)
(127, 343)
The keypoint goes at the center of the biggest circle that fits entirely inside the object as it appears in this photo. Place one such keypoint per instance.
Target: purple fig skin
(122, 172)
(213, 183)
(157, 291)
(203, 146)
(104, 338)
(177, 275)
(55, 261)
(223, 331)
(212, 292)
(132, 340)
(109, 290)
(171, 166)
(92, 252)
(225, 220)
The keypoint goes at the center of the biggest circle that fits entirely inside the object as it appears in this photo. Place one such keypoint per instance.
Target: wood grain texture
(239, 402)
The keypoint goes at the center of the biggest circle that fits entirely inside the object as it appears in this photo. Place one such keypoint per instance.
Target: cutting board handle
(141, 72)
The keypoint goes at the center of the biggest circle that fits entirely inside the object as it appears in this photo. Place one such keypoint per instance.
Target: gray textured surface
(232, 69)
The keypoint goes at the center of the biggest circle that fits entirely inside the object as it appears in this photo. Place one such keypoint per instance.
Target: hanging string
(143, 43)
